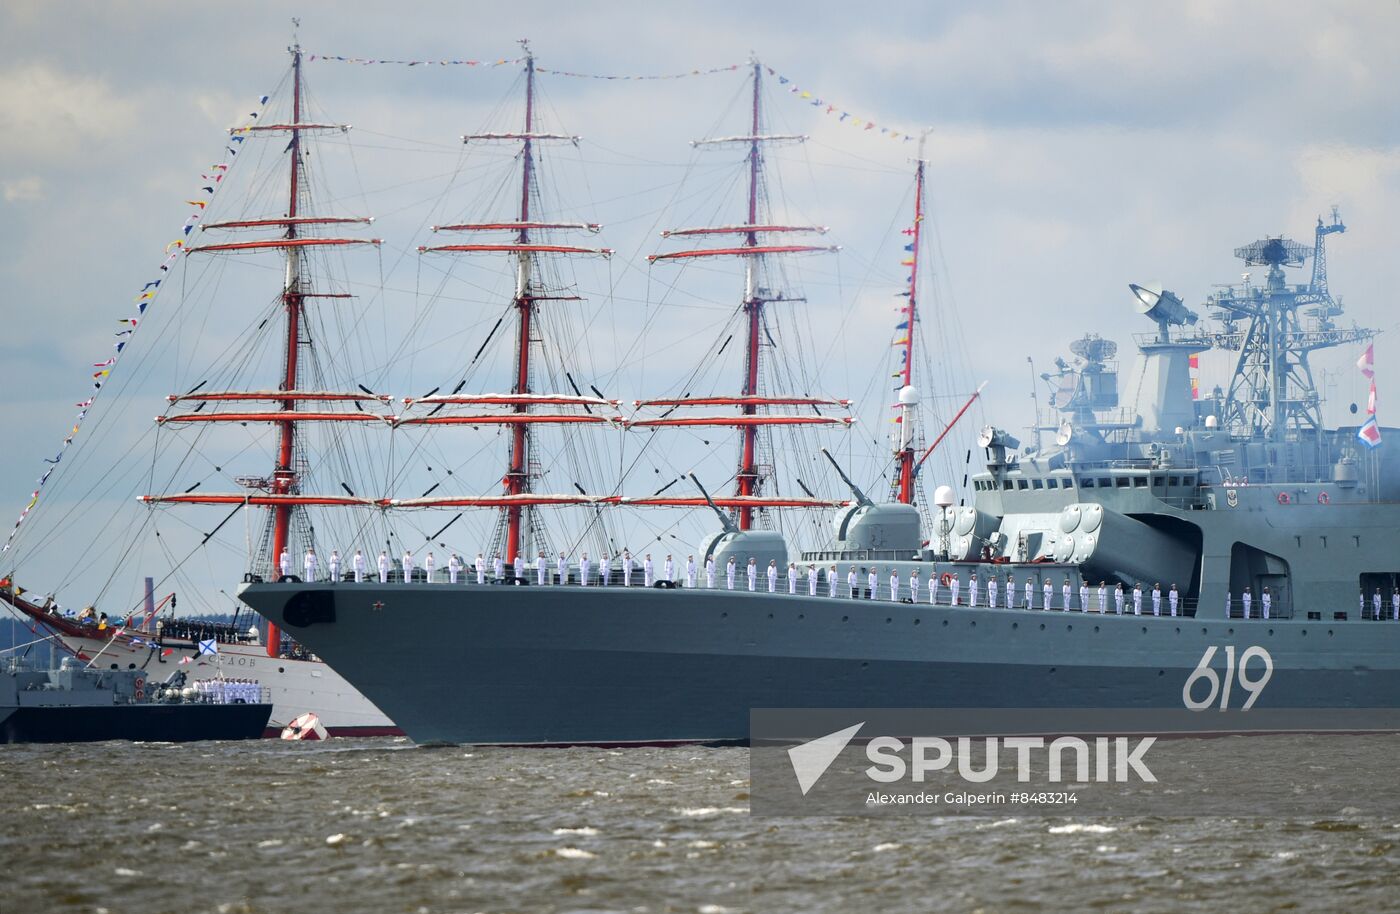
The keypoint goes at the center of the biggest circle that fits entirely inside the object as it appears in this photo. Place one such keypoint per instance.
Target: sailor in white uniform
(953, 587)
(408, 566)
(1173, 598)
(518, 566)
(873, 580)
(333, 563)
(561, 569)
(668, 569)
(831, 581)
(894, 585)
(690, 571)
(604, 568)
(992, 592)
(1010, 592)
(972, 589)
(498, 566)
(648, 571)
(383, 567)
(454, 568)
(1083, 595)
(1030, 593)
(311, 565)
(1103, 596)
(1395, 605)
(1118, 599)
(1156, 599)
(772, 575)
(1064, 593)
(480, 568)
(429, 566)
(357, 564)
(792, 577)
(584, 567)
(851, 581)
(1137, 599)
(626, 568)
(914, 585)
(710, 572)
(752, 572)
(1266, 601)
(1247, 600)
(1376, 605)
(540, 575)
(812, 580)
(1049, 591)
(729, 573)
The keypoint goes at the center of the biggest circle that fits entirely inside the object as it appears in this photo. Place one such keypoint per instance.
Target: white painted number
(1221, 687)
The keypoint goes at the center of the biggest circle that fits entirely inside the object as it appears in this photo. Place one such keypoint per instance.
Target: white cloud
(22, 189)
(60, 115)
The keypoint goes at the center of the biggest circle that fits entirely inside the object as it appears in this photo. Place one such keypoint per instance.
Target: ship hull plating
(575, 665)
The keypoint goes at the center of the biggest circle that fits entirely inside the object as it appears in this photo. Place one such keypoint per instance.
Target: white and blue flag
(208, 646)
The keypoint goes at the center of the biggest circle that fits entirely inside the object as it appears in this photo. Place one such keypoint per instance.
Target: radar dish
(1094, 348)
(1280, 251)
(1064, 434)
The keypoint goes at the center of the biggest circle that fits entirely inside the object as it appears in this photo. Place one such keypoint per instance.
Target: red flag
(1371, 401)
(1367, 362)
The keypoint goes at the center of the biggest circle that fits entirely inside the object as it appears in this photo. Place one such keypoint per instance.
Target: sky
(1073, 148)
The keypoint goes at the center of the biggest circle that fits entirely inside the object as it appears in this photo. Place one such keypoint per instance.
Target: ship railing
(1236, 609)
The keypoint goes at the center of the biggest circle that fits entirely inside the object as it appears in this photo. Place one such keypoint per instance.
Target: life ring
(1323, 498)
(946, 579)
(1283, 498)
(140, 684)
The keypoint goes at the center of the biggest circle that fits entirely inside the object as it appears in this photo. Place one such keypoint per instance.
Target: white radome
(943, 496)
(908, 395)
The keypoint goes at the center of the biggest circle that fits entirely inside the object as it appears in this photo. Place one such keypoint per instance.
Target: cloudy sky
(1075, 147)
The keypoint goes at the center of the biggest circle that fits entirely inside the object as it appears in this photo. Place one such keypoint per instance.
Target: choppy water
(382, 826)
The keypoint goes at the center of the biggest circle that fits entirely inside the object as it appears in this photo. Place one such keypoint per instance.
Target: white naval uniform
(729, 570)
(284, 563)
(972, 591)
(831, 581)
(992, 593)
(408, 567)
(1118, 599)
(1173, 597)
(1065, 592)
(894, 586)
(584, 567)
(914, 587)
(604, 569)
(648, 572)
(561, 568)
(1266, 601)
(772, 578)
(1030, 595)
(874, 582)
(1103, 599)
(518, 566)
(792, 578)
(626, 569)
(334, 563)
(498, 567)
(690, 572)
(812, 580)
(1137, 601)
(1247, 599)
(1395, 606)
(1376, 605)
(1083, 598)
(710, 573)
(953, 587)
(454, 567)
(1156, 602)
(429, 566)
(668, 570)
(310, 565)
(480, 569)
(1049, 590)
(540, 574)
(1010, 594)
(753, 576)
(358, 564)
(383, 568)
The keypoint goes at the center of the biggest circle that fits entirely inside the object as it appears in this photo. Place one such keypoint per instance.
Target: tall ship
(1156, 547)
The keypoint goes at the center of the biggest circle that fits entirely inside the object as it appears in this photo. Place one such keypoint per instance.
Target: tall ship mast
(762, 239)
(528, 241)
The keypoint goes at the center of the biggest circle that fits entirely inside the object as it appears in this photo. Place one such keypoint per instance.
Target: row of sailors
(1376, 611)
(228, 691)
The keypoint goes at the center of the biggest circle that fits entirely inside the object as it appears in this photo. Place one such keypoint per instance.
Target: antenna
(861, 497)
(1035, 400)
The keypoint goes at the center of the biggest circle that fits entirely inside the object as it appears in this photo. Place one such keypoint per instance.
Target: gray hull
(594, 665)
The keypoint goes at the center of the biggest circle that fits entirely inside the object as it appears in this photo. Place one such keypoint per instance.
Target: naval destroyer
(1267, 538)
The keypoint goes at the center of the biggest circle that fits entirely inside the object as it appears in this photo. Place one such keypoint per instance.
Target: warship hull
(180, 723)
(614, 666)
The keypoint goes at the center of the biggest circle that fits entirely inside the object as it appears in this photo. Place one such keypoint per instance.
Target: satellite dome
(943, 495)
(908, 395)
